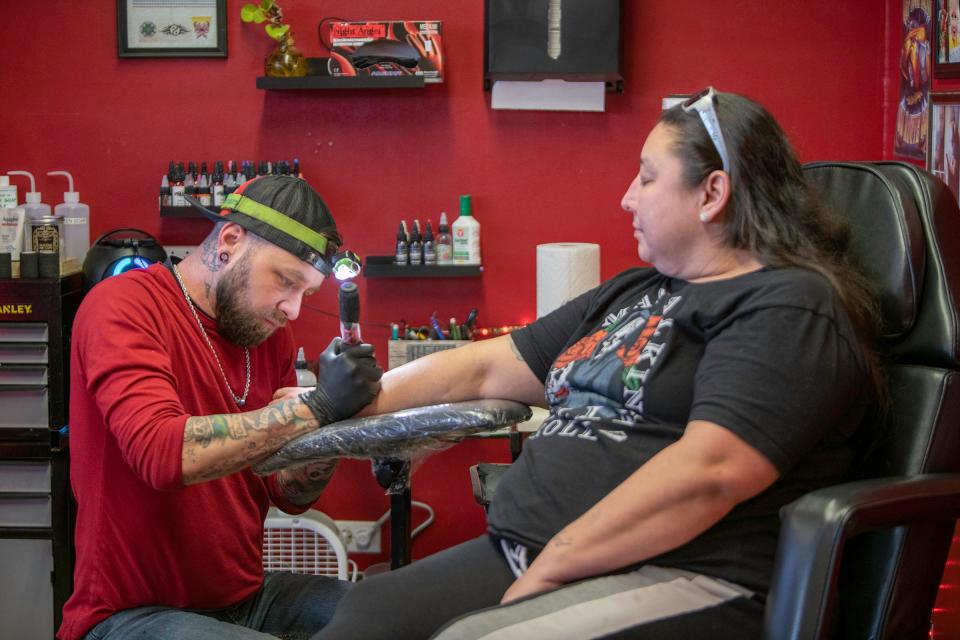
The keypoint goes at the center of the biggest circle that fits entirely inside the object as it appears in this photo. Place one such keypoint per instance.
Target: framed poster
(943, 150)
(915, 77)
(946, 56)
(171, 28)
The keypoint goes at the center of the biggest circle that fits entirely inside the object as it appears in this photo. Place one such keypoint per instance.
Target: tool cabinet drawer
(24, 332)
(24, 476)
(26, 593)
(22, 374)
(26, 510)
(23, 353)
(24, 407)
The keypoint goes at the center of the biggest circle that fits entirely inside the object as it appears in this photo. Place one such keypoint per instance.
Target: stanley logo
(16, 309)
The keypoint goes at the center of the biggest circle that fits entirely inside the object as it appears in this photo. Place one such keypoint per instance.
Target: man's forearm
(302, 485)
(219, 445)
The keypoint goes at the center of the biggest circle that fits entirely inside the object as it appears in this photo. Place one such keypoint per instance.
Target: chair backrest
(905, 235)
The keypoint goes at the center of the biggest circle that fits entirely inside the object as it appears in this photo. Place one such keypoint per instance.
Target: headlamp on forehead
(345, 265)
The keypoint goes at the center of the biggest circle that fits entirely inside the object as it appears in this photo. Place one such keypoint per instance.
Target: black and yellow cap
(285, 211)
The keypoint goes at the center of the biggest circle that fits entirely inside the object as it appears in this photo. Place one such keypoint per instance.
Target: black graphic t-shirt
(769, 355)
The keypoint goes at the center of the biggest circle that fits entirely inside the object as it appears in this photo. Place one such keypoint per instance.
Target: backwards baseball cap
(285, 211)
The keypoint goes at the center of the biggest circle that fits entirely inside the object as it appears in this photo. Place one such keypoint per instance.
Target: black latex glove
(347, 380)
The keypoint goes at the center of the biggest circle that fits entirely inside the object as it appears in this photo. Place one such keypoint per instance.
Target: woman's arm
(485, 369)
(677, 495)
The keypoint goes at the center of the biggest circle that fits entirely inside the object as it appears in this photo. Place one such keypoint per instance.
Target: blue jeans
(288, 605)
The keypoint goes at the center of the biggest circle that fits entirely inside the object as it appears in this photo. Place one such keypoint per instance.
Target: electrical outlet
(359, 536)
(179, 251)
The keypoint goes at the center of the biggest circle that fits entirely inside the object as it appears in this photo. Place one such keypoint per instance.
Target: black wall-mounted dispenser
(573, 40)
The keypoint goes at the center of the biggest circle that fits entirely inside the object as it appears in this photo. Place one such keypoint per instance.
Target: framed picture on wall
(943, 148)
(946, 50)
(916, 74)
(171, 28)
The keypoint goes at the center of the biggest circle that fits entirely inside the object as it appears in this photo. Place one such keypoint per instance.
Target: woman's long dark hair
(773, 212)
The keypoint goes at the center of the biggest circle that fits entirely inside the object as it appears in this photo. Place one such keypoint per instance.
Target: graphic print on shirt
(596, 386)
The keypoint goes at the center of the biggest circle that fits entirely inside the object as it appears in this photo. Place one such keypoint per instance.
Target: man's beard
(234, 322)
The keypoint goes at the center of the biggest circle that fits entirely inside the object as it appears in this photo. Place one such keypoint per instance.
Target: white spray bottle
(34, 208)
(76, 220)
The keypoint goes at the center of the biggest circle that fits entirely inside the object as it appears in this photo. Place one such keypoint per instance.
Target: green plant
(267, 11)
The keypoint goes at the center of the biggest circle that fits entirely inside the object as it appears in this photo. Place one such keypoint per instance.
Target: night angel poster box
(571, 46)
(387, 48)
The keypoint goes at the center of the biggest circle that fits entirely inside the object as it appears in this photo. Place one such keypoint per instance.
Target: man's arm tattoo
(202, 432)
(303, 485)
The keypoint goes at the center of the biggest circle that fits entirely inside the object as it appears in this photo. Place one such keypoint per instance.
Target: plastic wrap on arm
(404, 434)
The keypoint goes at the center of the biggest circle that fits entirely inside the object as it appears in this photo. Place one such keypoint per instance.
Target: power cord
(363, 537)
(324, 312)
(354, 569)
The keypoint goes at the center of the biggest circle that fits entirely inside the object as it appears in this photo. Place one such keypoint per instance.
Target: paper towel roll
(564, 271)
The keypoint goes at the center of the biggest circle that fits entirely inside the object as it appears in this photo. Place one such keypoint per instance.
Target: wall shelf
(383, 267)
(180, 212)
(318, 79)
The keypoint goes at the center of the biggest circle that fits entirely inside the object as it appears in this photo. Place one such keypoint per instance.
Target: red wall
(378, 156)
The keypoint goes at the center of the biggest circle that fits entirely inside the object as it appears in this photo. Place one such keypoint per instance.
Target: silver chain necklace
(240, 400)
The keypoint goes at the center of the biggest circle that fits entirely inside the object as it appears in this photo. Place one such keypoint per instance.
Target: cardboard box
(403, 351)
(387, 48)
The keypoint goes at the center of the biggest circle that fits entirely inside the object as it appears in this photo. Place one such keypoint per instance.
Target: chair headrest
(905, 236)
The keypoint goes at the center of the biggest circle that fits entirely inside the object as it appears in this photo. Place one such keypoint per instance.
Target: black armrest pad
(816, 527)
(484, 479)
(397, 435)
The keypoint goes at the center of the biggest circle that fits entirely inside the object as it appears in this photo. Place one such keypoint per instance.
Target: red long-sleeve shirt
(139, 368)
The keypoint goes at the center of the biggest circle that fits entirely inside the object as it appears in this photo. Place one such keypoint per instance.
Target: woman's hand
(528, 585)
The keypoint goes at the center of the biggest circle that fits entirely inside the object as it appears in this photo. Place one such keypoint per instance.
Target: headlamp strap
(277, 220)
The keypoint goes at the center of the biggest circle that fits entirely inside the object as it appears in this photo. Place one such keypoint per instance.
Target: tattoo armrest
(392, 441)
(403, 435)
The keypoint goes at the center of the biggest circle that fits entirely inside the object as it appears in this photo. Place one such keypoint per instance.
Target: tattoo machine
(349, 314)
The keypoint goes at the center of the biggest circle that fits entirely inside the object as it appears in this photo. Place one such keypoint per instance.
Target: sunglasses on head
(704, 103)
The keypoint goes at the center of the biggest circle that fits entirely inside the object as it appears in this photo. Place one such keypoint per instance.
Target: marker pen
(436, 326)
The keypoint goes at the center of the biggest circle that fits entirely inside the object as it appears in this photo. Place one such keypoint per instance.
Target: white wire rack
(308, 543)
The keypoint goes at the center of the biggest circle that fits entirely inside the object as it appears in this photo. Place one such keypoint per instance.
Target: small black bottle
(415, 247)
(429, 250)
(401, 257)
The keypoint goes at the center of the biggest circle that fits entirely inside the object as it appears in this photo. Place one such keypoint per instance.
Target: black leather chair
(864, 559)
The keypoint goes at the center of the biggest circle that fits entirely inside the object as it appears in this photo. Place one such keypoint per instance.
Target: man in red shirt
(173, 369)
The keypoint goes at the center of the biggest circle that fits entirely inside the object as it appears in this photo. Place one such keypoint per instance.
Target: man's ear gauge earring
(225, 257)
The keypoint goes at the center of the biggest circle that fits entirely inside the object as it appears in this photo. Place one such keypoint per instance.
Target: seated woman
(688, 403)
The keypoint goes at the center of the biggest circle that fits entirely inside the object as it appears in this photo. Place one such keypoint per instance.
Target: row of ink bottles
(417, 247)
(212, 188)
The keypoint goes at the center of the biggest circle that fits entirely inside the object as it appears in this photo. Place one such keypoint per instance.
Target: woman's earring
(704, 216)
